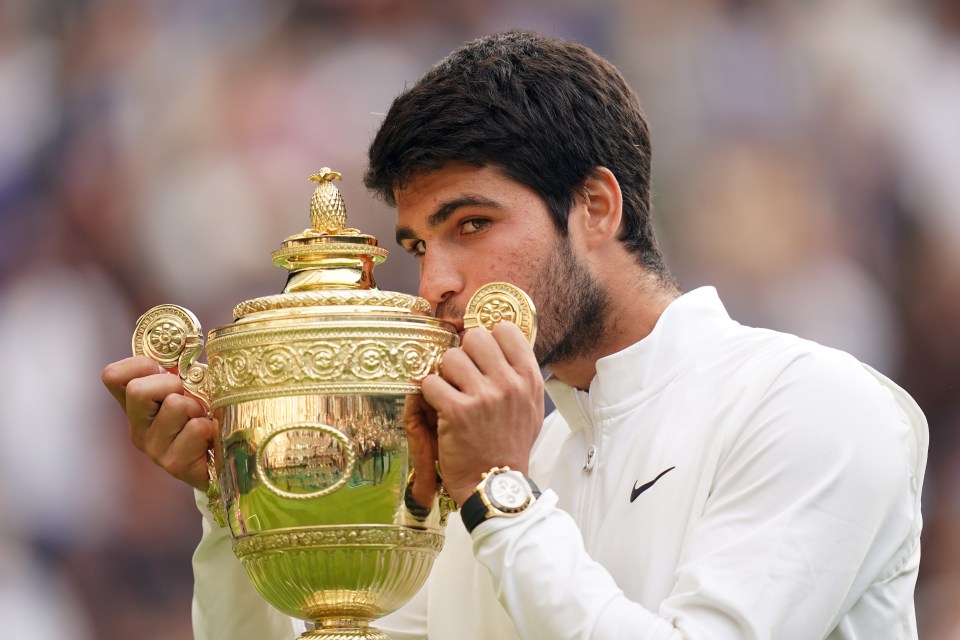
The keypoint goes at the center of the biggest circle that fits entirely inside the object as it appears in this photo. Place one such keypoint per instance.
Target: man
(700, 478)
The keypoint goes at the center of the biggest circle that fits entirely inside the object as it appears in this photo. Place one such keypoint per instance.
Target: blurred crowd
(151, 151)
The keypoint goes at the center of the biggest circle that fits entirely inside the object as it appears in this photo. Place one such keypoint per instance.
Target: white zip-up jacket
(717, 481)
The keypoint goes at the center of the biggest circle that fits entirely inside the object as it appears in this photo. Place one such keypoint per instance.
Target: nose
(440, 277)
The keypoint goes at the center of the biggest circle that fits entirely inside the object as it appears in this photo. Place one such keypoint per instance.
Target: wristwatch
(501, 493)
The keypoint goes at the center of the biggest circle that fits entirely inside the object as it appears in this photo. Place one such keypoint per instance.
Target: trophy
(310, 468)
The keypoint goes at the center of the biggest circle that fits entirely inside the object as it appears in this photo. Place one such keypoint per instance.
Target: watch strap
(473, 511)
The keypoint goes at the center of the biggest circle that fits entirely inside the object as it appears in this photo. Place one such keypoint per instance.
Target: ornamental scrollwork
(323, 360)
(336, 361)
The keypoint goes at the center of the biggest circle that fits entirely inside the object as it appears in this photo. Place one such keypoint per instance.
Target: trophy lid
(330, 264)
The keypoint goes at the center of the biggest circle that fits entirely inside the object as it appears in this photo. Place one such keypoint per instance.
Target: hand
(171, 428)
(489, 403)
(420, 423)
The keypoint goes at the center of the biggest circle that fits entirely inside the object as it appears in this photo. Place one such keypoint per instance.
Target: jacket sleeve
(409, 622)
(225, 604)
(815, 502)
(550, 586)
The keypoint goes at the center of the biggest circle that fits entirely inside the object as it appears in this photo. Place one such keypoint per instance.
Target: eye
(473, 225)
(416, 248)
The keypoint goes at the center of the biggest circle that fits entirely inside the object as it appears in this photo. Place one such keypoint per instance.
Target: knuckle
(428, 382)
(469, 406)
(137, 389)
(473, 338)
(412, 427)
(172, 463)
(490, 396)
(455, 412)
(182, 406)
(157, 457)
(514, 385)
(174, 404)
(506, 388)
(199, 428)
(110, 376)
(138, 441)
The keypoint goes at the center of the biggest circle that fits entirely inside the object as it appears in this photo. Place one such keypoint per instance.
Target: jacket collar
(686, 327)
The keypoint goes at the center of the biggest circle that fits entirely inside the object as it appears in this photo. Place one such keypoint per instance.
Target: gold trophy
(308, 387)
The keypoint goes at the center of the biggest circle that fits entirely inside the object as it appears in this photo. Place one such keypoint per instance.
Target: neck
(632, 314)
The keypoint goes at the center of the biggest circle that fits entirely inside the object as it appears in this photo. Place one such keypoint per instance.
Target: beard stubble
(573, 308)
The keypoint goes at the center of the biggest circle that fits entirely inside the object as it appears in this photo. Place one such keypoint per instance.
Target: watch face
(508, 491)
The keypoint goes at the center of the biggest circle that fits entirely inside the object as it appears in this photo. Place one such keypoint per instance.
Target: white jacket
(782, 501)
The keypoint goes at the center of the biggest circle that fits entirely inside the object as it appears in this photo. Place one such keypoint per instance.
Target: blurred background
(806, 159)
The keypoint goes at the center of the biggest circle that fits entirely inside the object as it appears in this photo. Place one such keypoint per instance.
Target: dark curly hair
(544, 111)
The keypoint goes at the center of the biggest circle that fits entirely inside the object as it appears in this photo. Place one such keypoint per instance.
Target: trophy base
(344, 630)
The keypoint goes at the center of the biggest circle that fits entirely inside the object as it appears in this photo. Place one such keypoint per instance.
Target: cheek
(506, 266)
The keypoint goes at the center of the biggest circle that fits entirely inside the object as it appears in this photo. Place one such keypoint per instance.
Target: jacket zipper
(589, 463)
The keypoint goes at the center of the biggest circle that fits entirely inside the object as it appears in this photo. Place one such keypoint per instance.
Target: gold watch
(501, 493)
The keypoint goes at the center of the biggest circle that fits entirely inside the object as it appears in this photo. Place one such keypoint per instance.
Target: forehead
(426, 193)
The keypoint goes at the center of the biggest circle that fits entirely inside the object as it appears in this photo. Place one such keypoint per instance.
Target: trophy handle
(172, 337)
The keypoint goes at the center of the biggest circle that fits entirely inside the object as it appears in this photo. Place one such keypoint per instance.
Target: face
(468, 226)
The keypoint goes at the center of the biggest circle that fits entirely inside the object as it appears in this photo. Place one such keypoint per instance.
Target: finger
(423, 451)
(429, 413)
(175, 411)
(486, 353)
(117, 375)
(439, 393)
(420, 424)
(186, 456)
(416, 412)
(515, 347)
(144, 396)
(419, 421)
(459, 370)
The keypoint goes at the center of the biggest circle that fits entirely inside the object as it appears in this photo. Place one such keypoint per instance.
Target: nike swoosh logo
(638, 490)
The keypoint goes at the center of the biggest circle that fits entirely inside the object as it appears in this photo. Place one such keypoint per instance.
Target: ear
(599, 210)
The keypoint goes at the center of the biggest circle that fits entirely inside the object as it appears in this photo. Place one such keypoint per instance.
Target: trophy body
(309, 388)
(314, 459)
(320, 539)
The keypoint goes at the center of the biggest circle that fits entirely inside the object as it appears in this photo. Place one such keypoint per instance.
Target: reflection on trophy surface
(308, 387)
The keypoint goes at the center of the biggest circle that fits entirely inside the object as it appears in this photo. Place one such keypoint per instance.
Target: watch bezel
(501, 475)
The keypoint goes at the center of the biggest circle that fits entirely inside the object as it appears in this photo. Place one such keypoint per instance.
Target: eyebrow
(444, 211)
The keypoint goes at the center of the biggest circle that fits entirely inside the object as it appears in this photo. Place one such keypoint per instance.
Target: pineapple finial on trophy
(328, 213)
(328, 255)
